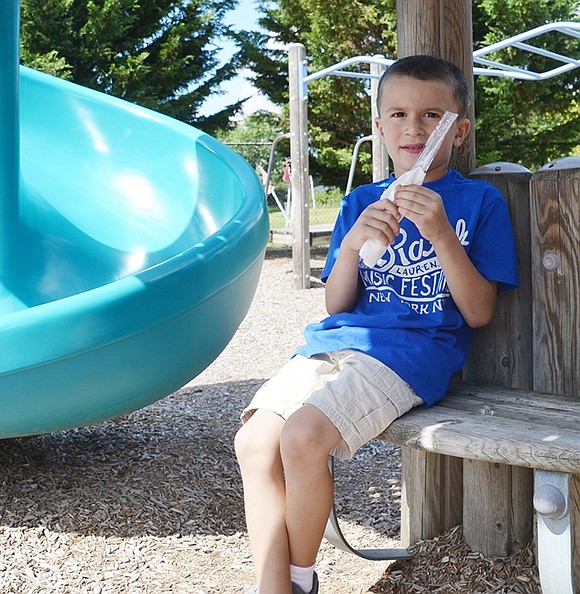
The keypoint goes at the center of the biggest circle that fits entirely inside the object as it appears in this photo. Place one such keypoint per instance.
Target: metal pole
(353, 162)
(299, 164)
(380, 155)
(9, 126)
(272, 158)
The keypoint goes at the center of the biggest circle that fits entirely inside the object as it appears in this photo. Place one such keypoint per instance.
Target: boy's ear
(461, 131)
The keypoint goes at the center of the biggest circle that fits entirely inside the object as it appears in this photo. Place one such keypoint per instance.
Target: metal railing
(491, 67)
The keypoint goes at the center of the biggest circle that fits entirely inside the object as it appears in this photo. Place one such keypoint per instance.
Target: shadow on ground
(166, 469)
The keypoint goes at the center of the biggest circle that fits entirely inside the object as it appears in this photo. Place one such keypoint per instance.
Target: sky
(244, 17)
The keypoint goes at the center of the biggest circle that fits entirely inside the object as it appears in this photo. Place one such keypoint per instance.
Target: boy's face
(410, 110)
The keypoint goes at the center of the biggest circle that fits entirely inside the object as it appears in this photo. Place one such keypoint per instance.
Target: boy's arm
(473, 294)
(342, 284)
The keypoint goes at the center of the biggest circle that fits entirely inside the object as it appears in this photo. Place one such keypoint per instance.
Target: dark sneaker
(297, 590)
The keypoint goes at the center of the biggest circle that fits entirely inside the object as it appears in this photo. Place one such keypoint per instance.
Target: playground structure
(281, 226)
(125, 267)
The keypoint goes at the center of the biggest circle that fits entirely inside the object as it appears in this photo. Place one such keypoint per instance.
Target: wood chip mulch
(446, 565)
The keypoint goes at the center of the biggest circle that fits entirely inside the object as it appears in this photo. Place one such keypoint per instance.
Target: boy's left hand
(424, 207)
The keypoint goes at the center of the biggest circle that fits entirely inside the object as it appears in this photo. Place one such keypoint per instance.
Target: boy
(395, 335)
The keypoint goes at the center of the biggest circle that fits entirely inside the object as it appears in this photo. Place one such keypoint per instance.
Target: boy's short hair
(430, 68)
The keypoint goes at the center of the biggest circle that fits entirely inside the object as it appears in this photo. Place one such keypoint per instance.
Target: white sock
(303, 577)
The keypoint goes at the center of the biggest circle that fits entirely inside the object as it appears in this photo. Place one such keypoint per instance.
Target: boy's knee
(301, 441)
(292, 439)
(244, 443)
(252, 444)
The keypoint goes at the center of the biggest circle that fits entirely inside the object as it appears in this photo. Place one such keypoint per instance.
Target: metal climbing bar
(570, 29)
(490, 67)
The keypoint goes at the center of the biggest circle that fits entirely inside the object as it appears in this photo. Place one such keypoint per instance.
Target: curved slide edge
(119, 346)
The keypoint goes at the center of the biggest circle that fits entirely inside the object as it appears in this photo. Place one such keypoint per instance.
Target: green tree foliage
(162, 54)
(518, 121)
(252, 137)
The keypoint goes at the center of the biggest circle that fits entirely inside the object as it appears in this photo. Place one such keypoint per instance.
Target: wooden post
(556, 257)
(555, 202)
(432, 504)
(502, 352)
(575, 495)
(300, 171)
(438, 28)
(380, 155)
(497, 499)
(441, 28)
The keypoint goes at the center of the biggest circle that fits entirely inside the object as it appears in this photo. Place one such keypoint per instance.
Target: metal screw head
(549, 501)
(551, 261)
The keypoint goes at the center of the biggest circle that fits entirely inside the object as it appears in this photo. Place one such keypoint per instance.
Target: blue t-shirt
(404, 315)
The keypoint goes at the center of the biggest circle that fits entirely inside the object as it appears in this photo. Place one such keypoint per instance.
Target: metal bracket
(303, 85)
(334, 535)
(552, 503)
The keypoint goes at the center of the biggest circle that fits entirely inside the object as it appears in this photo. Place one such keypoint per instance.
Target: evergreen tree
(331, 30)
(252, 137)
(162, 54)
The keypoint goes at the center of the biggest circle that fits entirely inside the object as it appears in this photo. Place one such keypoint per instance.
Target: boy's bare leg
(307, 439)
(258, 451)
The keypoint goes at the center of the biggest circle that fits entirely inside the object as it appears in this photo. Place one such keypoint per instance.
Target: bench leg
(334, 535)
(552, 502)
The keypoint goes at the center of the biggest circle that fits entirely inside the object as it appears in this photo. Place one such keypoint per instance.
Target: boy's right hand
(379, 221)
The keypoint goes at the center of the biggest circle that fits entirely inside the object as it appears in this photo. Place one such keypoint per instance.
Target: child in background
(396, 332)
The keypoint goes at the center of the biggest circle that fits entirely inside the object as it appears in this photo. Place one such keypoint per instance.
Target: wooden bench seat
(497, 425)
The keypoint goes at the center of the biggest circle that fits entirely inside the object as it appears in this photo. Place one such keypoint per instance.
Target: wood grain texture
(497, 425)
(555, 200)
(486, 519)
(575, 511)
(502, 352)
(433, 505)
(441, 28)
(555, 204)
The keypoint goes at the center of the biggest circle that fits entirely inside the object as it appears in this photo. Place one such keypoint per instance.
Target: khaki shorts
(360, 395)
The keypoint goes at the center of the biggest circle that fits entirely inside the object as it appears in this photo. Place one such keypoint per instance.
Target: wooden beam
(380, 155)
(555, 201)
(442, 28)
(502, 353)
(433, 505)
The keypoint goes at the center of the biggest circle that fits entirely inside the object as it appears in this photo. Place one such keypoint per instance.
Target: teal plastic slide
(130, 249)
